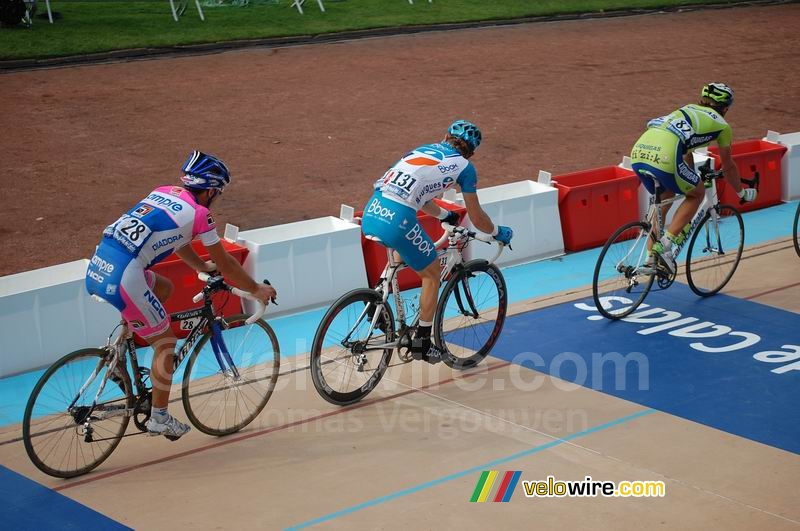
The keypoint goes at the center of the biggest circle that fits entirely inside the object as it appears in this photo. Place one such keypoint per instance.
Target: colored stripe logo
(504, 490)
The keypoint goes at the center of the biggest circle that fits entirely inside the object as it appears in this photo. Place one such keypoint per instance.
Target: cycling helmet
(202, 171)
(466, 131)
(718, 92)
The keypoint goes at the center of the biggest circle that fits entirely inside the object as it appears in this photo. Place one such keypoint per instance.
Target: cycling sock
(666, 241)
(159, 414)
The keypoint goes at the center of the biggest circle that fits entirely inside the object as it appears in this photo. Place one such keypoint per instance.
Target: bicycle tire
(42, 416)
(206, 385)
(795, 234)
(471, 292)
(698, 266)
(639, 231)
(326, 357)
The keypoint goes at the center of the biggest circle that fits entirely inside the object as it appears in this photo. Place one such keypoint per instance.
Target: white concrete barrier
(47, 313)
(700, 157)
(531, 209)
(790, 163)
(309, 262)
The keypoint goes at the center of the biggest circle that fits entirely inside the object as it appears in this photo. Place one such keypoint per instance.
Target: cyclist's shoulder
(706, 117)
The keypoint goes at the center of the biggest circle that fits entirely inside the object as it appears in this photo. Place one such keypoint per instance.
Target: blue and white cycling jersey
(417, 178)
(426, 172)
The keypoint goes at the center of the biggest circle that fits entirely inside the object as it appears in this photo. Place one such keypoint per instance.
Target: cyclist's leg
(655, 156)
(397, 227)
(692, 187)
(146, 314)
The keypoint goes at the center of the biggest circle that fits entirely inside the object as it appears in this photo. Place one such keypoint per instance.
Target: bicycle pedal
(172, 437)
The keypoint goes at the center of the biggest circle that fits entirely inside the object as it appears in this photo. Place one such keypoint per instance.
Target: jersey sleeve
(468, 179)
(204, 226)
(725, 137)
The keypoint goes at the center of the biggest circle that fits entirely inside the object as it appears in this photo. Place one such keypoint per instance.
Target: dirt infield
(309, 127)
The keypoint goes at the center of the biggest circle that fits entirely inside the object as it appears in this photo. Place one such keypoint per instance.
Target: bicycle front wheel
(225, 388)
(624, 271)
(345, 365)
(64, 434)
(471, 313)
(715, 250)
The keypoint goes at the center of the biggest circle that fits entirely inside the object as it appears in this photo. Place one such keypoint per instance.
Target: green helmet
(718, 92)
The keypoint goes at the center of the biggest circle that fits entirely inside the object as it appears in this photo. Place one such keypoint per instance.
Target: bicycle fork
(221, 352)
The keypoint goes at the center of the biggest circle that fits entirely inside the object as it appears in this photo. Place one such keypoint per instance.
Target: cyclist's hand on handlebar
(748, 195)
(265, 293)
(452, 218)
(504, 234)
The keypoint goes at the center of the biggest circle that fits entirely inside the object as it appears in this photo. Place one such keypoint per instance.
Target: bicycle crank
(141, 411)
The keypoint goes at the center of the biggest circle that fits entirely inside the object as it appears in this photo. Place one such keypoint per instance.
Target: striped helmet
(202, 171)
(719, 92)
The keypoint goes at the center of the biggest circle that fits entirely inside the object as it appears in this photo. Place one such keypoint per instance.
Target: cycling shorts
(659, 154)
(117, 277)
(397, 227)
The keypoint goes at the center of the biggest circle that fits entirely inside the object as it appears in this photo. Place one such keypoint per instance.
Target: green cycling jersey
(695, 126)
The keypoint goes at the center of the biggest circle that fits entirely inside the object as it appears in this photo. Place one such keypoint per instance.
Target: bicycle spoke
(54, 437)
(219, 402)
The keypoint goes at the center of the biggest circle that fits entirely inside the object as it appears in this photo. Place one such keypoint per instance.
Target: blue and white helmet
(202, 171)
(466, 131)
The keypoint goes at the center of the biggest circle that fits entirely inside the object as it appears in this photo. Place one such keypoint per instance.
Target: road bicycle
(80, 408)
(358, 334)
(626, 269)
(795, 229)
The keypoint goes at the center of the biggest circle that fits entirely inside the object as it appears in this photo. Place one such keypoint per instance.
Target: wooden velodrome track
(410, 455)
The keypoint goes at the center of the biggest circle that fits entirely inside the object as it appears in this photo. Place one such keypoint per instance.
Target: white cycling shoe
(171, 428)
(666, 258)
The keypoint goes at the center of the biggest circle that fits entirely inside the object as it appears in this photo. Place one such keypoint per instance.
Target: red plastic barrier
(594, 203)
(753, 156)
(375, 253)
(187, 285)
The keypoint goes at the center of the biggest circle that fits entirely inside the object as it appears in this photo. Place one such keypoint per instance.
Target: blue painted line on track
(472, 470)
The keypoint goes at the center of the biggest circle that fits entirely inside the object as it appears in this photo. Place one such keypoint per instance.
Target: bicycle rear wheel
(223, 394)
(715, 250)
(63, 434)
(795, 231)
(471, 313)
(623, 274)
(343, 367)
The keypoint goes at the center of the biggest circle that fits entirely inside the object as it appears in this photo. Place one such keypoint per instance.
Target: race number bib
(131, 232)
(399, 183)
(682, 128)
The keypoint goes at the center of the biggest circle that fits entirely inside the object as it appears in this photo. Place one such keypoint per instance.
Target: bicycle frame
(656, 218)
(449, 258)
(124, 345)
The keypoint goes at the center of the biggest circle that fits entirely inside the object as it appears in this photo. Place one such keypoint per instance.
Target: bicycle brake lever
(272, 299)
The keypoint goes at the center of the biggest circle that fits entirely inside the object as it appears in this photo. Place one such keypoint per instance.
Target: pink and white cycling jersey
(162, 222)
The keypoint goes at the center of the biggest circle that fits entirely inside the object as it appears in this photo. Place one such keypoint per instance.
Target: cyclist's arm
(479, 218)
(432, 209)
(231, 268)
(688, 158)
(730, 169)
(188, 255)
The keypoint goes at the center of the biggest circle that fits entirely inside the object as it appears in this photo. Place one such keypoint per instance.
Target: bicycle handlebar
(261, 308)
(480, 236)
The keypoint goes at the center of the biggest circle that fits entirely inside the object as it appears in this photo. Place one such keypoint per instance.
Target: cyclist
(410, 185)
(663, 152)
(162, 223)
